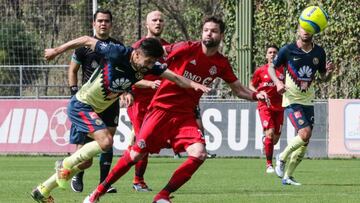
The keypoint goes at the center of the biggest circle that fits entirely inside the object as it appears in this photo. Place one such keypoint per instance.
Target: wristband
(73, 90)
(253, 96)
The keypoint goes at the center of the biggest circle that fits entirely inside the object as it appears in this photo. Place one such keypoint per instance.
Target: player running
(171, 112)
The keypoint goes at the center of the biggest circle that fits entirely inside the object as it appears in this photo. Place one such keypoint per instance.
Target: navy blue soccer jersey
(300, 69)
(112, 77)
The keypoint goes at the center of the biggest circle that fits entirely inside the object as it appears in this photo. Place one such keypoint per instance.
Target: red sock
(269, 149)
(140, 168)
(122, 166)
(182, 174)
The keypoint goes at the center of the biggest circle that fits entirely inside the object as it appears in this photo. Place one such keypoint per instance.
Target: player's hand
(262, 96)
(126, 100)
(200, 87)
(50, 54)
(280, 87)
(330, 67)
(155, 84)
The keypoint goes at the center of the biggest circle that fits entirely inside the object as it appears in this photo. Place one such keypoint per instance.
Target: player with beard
(171, 112)
(301, 61)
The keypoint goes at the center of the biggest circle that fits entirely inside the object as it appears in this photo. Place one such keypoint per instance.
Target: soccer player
(88, 60)
(271, 112)
(171, 112)
(120, 68)
(301, 61)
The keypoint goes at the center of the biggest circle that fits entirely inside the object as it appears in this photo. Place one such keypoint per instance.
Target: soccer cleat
(177, 156)
(280, 167)
(111, 190)
(93, 197)
(37, 196)
(269, 169)
(62, 174)
(77, 184)
(210, 156)
(161, 199)
(141, 187)
(290, 181)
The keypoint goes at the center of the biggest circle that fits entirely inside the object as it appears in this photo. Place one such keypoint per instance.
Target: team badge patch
(265, 123)
(213, 70)
(281, 77)
(297, 114)
(141, 144)
(93, 115)
(98, 122)
(300, 121)
(315, 61)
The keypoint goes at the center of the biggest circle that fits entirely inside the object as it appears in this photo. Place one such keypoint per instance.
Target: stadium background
(30, 26)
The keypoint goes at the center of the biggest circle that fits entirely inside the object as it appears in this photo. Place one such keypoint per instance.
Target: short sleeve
(228, 75)
(79, 55)
(280, 59)
(322, 61)
(255, 81)
(112, 52)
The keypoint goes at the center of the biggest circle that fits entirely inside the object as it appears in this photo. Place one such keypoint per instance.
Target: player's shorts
(271, 119)
(161, 128)
(85, 120)
(300, 116)
(136, 114)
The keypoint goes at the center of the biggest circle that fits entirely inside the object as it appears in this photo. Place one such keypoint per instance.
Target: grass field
(218, 180)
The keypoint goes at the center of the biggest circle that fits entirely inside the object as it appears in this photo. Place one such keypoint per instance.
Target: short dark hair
(216, 20)
(272, 46)
(104, 11)
(151, 47)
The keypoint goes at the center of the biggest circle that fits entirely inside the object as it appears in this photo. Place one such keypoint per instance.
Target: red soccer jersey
(262, 82)
(144, 95)
(187, 59)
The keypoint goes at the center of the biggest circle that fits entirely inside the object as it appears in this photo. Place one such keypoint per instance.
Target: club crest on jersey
(124, 83)
(301, 121)
(315, 61)
(141, 144)
(94, 64)
(139, 75)
(213, 70)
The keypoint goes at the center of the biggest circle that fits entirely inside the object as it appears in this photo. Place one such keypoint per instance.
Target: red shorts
(136, 114)
(271, 119)
(161, 128)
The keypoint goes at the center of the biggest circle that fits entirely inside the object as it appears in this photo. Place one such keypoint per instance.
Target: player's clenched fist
(50, 54)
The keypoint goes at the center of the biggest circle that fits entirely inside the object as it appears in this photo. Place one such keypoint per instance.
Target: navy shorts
(300, 116)
(85, 120)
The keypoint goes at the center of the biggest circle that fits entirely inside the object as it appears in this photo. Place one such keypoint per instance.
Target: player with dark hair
(301, 61)
(171, 118)
(120, 68)
(271, 112)
(88, 60)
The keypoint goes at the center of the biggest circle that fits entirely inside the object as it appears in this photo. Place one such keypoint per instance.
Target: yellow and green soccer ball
(313, 19)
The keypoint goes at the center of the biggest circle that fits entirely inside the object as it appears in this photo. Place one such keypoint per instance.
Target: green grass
(217, 181)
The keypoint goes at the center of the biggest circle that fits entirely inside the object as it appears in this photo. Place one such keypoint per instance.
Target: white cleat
(290, 181)
(270, 169)
(280, 167)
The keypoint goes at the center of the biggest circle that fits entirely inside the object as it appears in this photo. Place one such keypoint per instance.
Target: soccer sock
(182, 174)
(294, 144)
(295, 158)
(269, 149)
(122, 166)
(140, 168)
(86, 152)
(105, 164)
(50, 184)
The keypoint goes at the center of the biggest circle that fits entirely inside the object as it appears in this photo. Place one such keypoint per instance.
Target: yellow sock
(294, 144)
(46, 187)
(295, 159)
(86, 152)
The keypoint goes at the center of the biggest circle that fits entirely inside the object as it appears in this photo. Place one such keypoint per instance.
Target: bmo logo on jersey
(197, 78)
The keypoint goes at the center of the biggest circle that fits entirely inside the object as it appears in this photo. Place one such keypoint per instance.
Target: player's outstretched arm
(245, 93)
(148, 84)
(73, 44)
(184, 82)
(280, 87)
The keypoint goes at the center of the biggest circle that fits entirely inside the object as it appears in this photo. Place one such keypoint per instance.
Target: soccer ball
(59, 127)
(313, 19)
